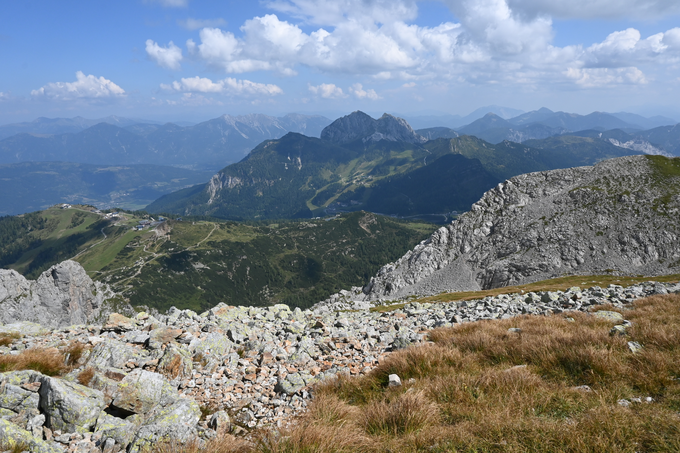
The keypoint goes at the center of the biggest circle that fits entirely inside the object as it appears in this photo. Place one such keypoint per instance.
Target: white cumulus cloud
(327, 91)
(358, 90)
(194, 24)
(85, 87)
(167, 57)
(493, 41)
(597, 77)
(226, 86)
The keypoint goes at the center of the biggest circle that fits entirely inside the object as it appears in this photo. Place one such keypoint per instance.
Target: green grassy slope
(197, 264)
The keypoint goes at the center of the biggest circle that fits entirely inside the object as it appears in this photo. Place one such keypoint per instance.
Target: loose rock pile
(146, 379)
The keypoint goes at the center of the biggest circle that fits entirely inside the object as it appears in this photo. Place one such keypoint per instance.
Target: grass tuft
(85, 376)
(6, 339)
(74, 352)
(407, 413)
(47, 361)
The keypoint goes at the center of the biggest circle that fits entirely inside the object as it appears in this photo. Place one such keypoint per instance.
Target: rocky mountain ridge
(360, 126)
(617, 216)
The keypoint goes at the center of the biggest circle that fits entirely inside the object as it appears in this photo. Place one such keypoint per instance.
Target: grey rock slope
(63, 295)
(358, 125)
(617, 216)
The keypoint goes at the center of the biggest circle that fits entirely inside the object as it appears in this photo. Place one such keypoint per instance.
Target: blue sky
(194, 60)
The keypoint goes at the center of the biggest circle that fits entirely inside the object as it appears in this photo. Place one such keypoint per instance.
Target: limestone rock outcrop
(63, 295)
(619, 216)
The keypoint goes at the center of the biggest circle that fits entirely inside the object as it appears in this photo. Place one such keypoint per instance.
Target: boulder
(110, 354)
(19, 439)
(141, 391)
(17, 399)
(220, 422)
(607, 315)
(291, 384)
(119, 323)
(176, 364)
(69, 407)
(176, 422)
(163, 335)
(118, 429)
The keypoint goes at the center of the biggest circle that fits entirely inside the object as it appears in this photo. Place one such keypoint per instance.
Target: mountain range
(377, 165)
(207, 145)
(382, 165)
(650, 133)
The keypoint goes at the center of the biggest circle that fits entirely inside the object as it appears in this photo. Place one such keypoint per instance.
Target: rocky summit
(619, 216)
(360, 126)
(184, 376)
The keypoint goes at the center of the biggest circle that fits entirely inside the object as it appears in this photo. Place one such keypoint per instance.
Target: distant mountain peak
(360, 126)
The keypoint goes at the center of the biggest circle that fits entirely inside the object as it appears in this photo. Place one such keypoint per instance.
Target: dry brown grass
(403, 414)
(480, 388)
(73, 352)
(48, 361)
(224, 444)
(330, 426)
(7, 338)
(85, 376)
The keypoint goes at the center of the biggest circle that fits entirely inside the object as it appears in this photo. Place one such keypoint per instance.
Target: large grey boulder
(110, 354)
(63, 295)
(141, 391)
(118, 429)
(17, 399)
(176, 422)
(69, 407)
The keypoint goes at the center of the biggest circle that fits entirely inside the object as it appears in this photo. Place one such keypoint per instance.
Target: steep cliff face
(358, 125)
(619, 215)
(63, 295)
